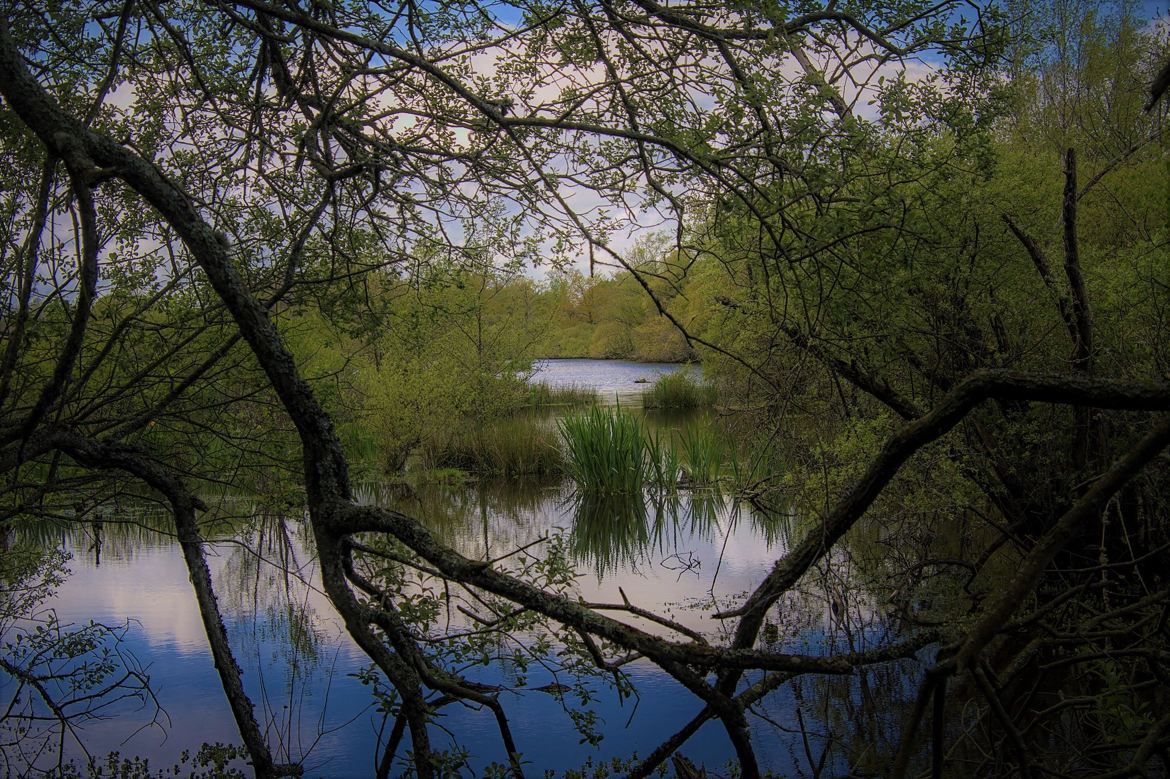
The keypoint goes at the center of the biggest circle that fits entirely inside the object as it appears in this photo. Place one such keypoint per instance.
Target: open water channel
(680, 555)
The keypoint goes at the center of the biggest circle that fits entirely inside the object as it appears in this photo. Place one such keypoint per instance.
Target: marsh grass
(663, 464)
(610, 451)
(606, 450)
(518, 445)
(678, 390)
(542, 395)
(702, 454)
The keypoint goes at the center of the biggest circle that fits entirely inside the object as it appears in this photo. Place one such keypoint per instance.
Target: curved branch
(28, 252)
(87, 278)
(125, 458)
(981, 386)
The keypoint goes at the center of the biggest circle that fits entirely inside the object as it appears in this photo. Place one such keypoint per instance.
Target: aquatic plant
(542, 394)
(606, 450)
(679, 390)
(663, 464)
(519, 445)
(703, 454)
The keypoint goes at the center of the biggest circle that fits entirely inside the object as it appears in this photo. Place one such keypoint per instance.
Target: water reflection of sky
(323, 715)
(328, 715)
(611, 378)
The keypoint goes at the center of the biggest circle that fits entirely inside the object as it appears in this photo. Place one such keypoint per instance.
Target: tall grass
(663, 464)
(606, 450)
(513, 446)
(678, 390)
(703, 454)
(541, 394)
(611, 452)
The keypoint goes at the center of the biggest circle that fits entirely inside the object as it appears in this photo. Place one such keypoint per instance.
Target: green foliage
(611, 340)
(658, 340)
(212, 761)
(542, 395)
(678, 389)
(454, 353)
(606, 450)
(518, 445)
(611, 317)
(838, 259)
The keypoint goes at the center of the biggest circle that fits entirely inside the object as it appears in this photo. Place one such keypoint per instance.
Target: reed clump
(513, 446)
(542, 395)
(703, 454)
(606, 450)
(663, 465)
(679, 390)
(610, 451)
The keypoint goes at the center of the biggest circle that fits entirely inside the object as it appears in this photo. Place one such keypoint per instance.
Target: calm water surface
(681, 555)
(615, 380)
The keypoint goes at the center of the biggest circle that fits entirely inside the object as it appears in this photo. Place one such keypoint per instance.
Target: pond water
(620, 381)
(679, 554)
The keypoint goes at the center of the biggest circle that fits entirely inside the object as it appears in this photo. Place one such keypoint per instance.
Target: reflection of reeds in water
(481, 518)
(703, 512)
(47, 532)
(609, 531)
(776, 526)
(613, 533)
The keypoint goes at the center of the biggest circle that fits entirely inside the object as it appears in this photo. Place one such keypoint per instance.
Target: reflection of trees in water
(265, 579)
(481, 519)
(264, 586)
(114, 530)
(829, 722)
(608, 533)
(58, 677)
(840, 725)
